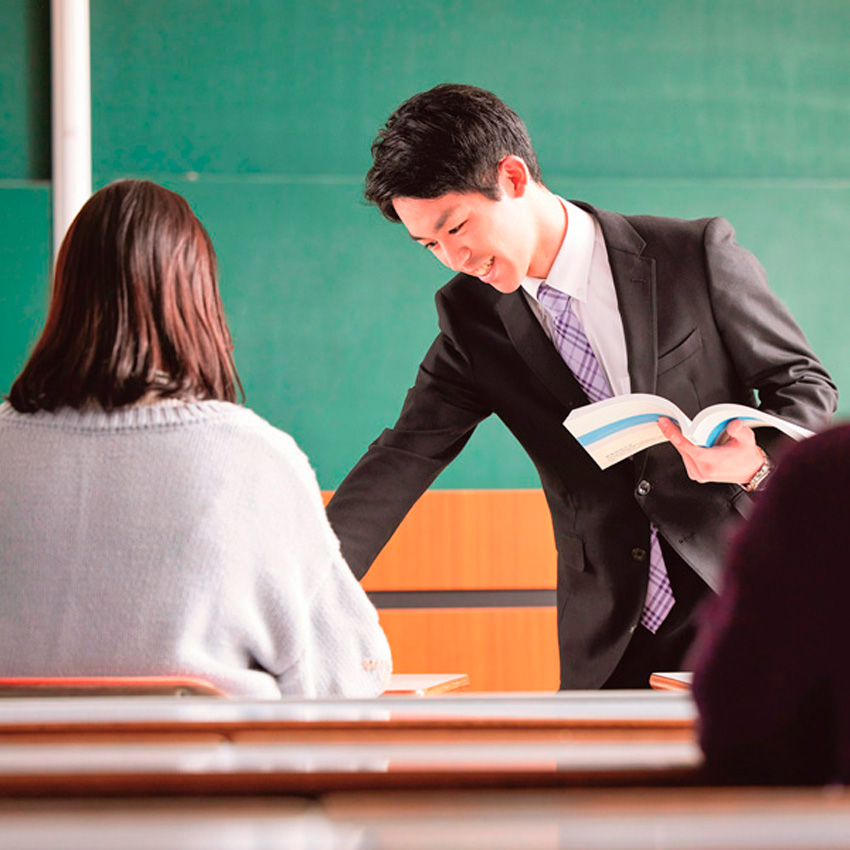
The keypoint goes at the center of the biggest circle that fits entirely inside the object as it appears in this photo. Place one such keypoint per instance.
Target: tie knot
(552, 299)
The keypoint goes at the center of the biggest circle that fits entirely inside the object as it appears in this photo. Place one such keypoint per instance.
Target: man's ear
(514, 176)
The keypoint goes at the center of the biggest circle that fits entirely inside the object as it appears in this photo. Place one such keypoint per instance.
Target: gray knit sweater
(175, 538)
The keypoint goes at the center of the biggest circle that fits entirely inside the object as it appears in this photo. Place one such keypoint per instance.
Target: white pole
(69, 28)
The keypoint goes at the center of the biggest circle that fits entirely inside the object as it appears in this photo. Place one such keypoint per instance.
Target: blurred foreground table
(144, 745)
(548, 819)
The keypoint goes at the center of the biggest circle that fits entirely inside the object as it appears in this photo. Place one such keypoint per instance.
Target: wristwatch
(761, 473)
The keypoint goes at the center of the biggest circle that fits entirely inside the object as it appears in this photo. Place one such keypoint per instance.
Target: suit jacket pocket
(681, 352)
(571, 553)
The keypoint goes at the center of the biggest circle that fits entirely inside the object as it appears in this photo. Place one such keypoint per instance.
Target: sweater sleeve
(321, 633)
(345, 650)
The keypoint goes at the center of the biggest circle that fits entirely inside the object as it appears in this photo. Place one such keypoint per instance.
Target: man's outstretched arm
(438, 417)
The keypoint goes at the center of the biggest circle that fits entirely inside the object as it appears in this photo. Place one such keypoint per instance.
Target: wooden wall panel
(472, 540)
(469, 540)
(501, 649)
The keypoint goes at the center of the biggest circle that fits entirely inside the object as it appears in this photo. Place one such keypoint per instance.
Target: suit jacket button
(643, 488)
(639, 554)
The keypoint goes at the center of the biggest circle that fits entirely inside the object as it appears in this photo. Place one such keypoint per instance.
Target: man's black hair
(450, 138)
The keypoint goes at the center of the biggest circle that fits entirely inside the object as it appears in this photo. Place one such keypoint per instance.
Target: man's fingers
(730, 461)
(672, 432)
(733, 429)
(737, 430)
(689, 452)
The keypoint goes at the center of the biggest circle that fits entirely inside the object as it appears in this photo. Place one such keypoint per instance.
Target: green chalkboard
(24, 90)
(613, 88)
(24, 268)
(262, 114)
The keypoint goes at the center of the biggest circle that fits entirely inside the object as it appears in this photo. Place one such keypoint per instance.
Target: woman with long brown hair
(148, 523)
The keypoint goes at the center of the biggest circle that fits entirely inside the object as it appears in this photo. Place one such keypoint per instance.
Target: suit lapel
(634, 281)
(530, 340)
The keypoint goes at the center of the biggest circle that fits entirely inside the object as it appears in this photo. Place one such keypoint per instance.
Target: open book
(617, 427)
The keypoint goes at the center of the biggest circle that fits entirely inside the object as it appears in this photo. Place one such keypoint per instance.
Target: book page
(618, 427)
(710, 423)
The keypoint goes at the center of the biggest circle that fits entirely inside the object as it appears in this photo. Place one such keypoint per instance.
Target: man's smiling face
(470, 233)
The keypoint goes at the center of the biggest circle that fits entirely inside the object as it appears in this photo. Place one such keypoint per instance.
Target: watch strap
(761, 473)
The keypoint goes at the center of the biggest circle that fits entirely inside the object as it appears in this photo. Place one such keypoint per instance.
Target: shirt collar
(571, 269)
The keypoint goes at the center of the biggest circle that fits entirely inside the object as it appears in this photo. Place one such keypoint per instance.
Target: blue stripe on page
(615, 427)
(631, 421)
(721, 427)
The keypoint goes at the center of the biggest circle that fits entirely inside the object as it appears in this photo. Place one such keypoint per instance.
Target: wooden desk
(671, 681)
(412, 684)
(605, 711)
(197, 745)
(242, 767)
(425, 684)
(543, 819)
(597, 819)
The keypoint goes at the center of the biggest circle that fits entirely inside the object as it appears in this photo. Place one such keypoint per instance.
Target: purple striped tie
(574, 348)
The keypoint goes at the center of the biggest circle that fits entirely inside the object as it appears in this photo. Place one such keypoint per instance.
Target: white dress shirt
(582, 271)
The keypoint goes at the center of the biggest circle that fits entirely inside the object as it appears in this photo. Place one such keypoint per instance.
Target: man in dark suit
(556, 303)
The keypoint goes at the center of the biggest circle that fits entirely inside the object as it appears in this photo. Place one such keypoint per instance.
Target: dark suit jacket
(770, 673)
(701, 327)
